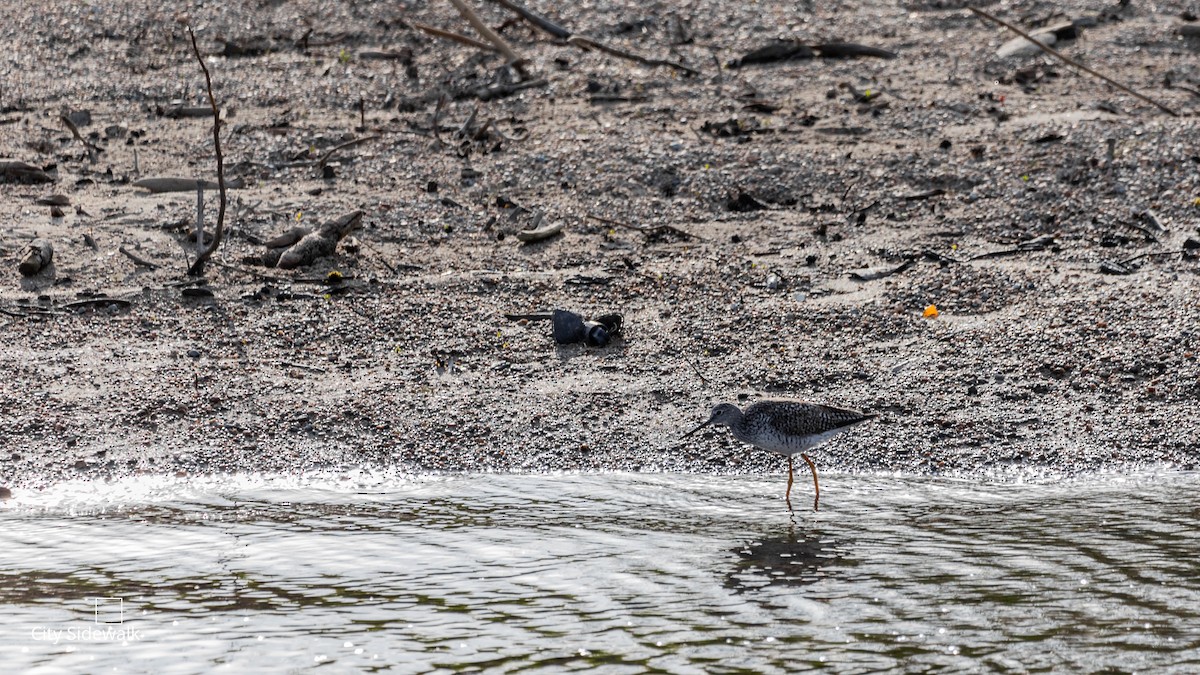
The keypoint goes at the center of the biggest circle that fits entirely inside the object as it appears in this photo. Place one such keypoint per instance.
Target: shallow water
(618, 573)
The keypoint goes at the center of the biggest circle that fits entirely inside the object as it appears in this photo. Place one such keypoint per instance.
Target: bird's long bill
(710, 420)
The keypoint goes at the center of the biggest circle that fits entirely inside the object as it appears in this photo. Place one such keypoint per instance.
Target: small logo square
(109, 610)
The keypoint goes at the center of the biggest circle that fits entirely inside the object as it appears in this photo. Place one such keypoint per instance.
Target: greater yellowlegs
(787, 428)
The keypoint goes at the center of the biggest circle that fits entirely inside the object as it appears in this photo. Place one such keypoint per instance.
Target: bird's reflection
(783, 557)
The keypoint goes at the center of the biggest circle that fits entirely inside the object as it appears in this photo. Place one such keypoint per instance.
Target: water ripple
(604, 572)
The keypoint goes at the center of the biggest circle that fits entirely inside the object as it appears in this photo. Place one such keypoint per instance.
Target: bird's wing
(805, 419)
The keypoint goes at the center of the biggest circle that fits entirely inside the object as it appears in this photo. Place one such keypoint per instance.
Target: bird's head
(724, 414)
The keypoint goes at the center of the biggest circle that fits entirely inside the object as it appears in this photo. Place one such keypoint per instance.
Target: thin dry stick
(1154, 254)
(454, 37)
(197, 267)
(437, 120)
(92, 148)
(588, 43)
(536, 19)
(140, 262)
(1066, 59)
(342, 146)
(487, 33)
(642, 229)
(199, 213)
(253, 273)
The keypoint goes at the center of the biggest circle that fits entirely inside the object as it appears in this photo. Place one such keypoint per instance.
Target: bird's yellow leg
(816, 486)
(788, 495)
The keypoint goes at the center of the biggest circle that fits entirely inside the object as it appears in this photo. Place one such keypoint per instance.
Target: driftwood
(539, 231)
(299, 246)
(788, 50)
(16, 171)
(38, 254)
(177, 110)
(171, 184)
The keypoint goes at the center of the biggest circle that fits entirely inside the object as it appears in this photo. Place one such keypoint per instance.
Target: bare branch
(536, 19)
(586, 43)
(197, 267)
(487, 33)
(455, 37)
(1066, 59)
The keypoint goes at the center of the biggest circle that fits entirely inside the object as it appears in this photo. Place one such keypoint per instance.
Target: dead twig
(197, 268)
(1068, 60)
(928, 194)
(254, 273)
(644, 230)
(453, 37)
(342, 146)
(382, 259)
(586, 44)
(501, 90)
(140, 262)
(437, 121)
(301, 366)
(1154, 254)
(92, 149)
(536, 19)
(1036, 244)
(98, 302)
(488, 34)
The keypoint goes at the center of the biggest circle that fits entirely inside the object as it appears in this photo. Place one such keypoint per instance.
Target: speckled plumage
(787, 428)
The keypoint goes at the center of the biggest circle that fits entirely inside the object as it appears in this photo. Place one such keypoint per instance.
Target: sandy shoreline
(1037, 360)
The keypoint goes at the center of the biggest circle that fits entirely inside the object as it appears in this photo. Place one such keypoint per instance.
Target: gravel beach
(996, 254)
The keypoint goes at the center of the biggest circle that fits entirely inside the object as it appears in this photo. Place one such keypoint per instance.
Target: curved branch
(197, 267)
